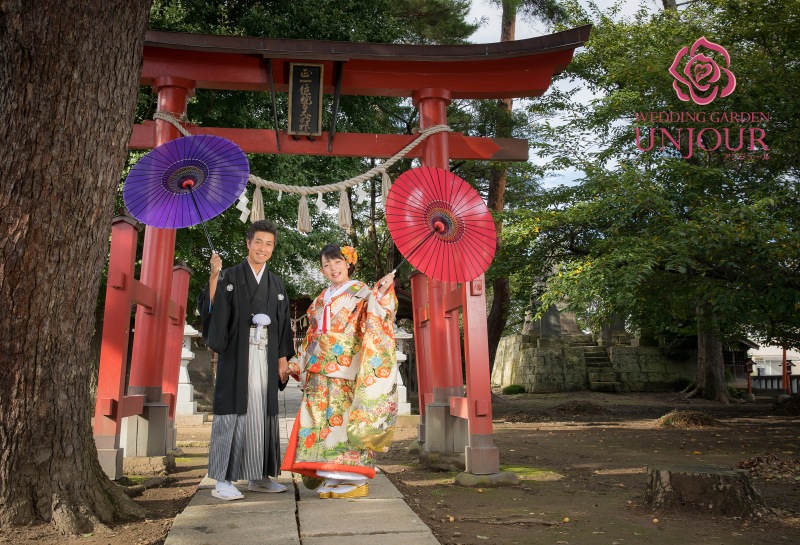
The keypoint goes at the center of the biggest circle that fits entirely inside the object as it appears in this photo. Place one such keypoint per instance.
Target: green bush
(737, 393)
(514, 389)
(728, 375)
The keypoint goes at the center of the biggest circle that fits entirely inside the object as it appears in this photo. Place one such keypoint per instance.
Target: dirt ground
(582, 460)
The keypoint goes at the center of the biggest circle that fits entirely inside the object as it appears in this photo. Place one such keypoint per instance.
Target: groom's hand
(283, 369)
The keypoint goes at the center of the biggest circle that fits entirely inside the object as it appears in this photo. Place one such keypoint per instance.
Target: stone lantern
(186, 407)
(403, 406)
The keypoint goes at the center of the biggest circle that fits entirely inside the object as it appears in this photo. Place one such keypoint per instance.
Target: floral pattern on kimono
(349, 373)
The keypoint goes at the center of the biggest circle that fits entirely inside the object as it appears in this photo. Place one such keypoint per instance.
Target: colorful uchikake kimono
(348, 366)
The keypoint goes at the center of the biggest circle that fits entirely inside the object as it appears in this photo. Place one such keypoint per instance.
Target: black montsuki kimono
(226, 330)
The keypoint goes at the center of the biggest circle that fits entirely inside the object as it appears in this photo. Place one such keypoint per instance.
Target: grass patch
(138, 479)
(193, 444)
(527, 473)
(437, 479)
(512, 389)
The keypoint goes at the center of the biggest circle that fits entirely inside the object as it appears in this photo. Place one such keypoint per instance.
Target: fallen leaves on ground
(772, 466)
(789, 406)
(687, 419)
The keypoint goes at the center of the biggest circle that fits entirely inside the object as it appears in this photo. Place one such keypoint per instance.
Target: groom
(252, 367)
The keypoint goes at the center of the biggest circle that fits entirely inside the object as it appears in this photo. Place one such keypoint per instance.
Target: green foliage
(382, 21)
(548, 11)
(297, 256)
(728, 375)
(484, 118)
(652, 235)
(513, 389)
(737, 393)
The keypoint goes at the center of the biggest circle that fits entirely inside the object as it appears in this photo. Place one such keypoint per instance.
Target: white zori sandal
(266, 485)
(224, 490)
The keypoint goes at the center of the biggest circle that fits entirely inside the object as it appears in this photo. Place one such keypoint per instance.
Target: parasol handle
(189, 184)
(438, 227)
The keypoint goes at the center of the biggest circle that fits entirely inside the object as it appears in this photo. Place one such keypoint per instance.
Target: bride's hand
(385, 283)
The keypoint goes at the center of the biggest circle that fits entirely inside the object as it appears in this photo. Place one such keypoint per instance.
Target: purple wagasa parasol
(186, 181)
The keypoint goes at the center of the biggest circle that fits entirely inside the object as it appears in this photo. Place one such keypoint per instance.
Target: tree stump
(704, 489)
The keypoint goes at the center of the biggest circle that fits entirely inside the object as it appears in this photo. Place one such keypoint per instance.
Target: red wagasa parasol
(441, 224)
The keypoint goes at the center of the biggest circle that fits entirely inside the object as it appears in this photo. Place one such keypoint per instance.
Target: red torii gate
(175, 64)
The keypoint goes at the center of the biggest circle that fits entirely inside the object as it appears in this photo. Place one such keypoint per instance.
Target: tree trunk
(710, 380)
(68, 87)
(711, 490)
(501, 294)
(372, 231)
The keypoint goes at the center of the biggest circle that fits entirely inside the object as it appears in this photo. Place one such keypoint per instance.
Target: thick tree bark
(68, 86)
(710, 380)
(501, 294)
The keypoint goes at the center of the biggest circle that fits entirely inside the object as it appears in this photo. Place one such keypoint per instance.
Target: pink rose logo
(701, 75)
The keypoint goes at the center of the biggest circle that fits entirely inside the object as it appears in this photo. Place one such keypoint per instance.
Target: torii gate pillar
(453, 420)
(147, 433)
(438, 429)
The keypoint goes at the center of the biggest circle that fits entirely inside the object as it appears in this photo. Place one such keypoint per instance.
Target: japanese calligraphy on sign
(305, 99)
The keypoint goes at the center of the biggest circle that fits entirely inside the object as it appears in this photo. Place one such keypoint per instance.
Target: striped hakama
(247, 446)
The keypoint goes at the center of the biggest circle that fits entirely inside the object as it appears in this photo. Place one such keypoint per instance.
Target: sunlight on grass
(527, 473)
(202, 454)
(621, 471)
(446, 478)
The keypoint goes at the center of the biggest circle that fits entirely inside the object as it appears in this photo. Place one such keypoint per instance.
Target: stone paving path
(299, 516)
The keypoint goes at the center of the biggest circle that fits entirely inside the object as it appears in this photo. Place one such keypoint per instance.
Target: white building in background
(768, 360)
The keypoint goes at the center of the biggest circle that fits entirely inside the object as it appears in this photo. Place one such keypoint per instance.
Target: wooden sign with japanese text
(305, 99)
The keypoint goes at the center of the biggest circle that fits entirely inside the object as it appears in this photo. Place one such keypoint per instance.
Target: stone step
(774, 392)
(602, 377)
(594, 348)
(578, 338)
(597, 362)
(596, 357)
(767, 396)
(599, 368)
(610, 387)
